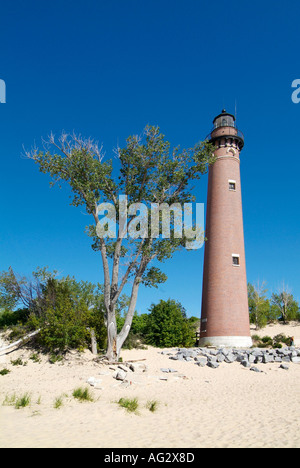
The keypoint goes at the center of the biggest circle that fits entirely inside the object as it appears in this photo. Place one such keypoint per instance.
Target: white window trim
(232, 182)
(238, 256)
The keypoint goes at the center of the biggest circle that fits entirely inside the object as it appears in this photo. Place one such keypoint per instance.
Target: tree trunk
(128, 321)
(115, 341)
(21, 341)
(93, 342)
(111, 352)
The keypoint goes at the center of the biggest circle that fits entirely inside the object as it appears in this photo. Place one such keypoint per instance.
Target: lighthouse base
(226, 341)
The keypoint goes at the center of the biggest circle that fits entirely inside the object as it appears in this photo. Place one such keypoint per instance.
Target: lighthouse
(225, 311)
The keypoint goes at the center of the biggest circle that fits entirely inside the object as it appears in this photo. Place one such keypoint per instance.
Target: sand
(197, 407)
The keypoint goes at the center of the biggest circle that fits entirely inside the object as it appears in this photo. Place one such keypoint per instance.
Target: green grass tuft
(152, 405)
(83, 394)
(131, 405)
(23, 401)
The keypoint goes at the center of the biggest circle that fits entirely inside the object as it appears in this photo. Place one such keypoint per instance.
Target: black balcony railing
(239, 134)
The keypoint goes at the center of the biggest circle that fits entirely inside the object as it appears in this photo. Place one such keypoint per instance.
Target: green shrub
(134, 341)
(8, 318)
(266, 339)
(255, 337)
(18, 362)
(65, 320)
(54, 358)
(4, 372)
(275, 342)
(136, 336)
(261, 345)
(281, 338)
(168, 326)
(35, 358)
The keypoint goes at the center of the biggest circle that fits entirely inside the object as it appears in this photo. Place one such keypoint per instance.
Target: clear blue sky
(108, 68)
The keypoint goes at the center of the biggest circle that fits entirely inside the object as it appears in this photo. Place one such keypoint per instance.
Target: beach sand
(197, 407)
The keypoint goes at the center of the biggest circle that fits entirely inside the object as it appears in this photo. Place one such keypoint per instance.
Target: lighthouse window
(232, 185)
(236, 260)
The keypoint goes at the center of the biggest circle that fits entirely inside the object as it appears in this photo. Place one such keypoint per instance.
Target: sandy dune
(197, 407)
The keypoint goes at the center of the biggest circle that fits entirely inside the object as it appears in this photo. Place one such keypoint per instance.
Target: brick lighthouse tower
(225, 312)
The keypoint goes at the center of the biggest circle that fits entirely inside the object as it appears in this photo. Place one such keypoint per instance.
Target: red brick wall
(225, 298)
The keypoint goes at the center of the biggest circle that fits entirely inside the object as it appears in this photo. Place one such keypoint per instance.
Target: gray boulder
(267, 358)
(251, 358)
(230, 358)
(213, 364)
(246, 363)
(255, 369)
(295, 359)
(120, 374)
(201, 362)
(174, 358)
(240, 357)
(284, 366)
(220, 357)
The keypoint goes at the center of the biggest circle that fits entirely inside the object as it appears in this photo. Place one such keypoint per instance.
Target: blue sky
(107, 69)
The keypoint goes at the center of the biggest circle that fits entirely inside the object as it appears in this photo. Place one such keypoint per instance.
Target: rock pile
(213, 357)
(127, 373)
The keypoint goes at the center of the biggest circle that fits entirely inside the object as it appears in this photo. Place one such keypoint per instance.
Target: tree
(259, 305)
(168, 325)
(18, 290)
(284, 305)
(148, 171)
(9, 296)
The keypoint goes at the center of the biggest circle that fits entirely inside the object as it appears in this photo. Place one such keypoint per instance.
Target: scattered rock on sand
(120, 374)
(255, 369)
(138, 367)
(284, 366)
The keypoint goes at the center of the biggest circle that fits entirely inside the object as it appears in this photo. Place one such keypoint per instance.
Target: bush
(281, 338)
(135, 341)
(9, 318)
(255, 337)
(275, 342)
(63, 328)
(65, 320)
(63, 310)
(136, 337)
(167, 325)
(266, 339)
